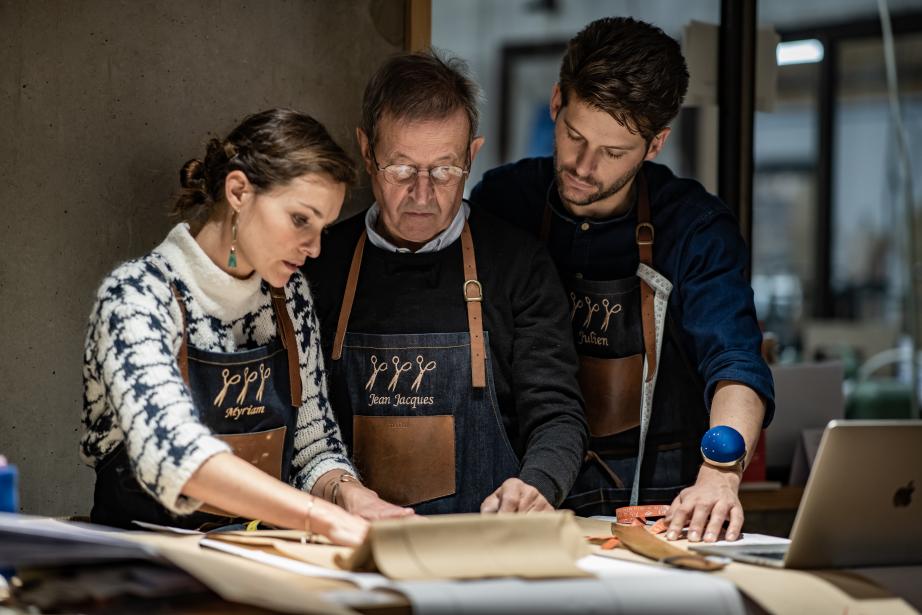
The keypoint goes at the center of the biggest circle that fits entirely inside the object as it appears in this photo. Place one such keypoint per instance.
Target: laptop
(862, 505)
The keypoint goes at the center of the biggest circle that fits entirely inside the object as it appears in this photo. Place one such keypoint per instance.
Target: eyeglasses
(406, 174)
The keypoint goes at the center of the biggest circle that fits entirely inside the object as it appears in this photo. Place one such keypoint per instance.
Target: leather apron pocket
(263, 449)
(406, 459)
(611, 389)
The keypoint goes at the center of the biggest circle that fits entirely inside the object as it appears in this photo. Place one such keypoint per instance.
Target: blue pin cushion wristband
(723, 446)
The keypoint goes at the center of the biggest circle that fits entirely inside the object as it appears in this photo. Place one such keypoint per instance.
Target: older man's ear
(476, 144)
(365, 150)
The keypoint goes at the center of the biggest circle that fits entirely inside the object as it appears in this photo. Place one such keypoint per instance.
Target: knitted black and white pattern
(134, 392)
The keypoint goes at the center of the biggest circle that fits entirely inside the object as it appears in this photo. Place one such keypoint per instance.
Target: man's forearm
(741, 408)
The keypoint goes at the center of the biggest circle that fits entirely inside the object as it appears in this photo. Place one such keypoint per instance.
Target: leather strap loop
(348, 297)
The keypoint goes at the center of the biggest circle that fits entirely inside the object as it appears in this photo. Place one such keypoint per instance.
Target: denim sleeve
(717, 313)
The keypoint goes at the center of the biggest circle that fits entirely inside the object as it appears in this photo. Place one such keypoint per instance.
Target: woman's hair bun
(192, 175)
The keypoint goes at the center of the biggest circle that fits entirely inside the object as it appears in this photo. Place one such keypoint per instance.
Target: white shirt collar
(439, 242)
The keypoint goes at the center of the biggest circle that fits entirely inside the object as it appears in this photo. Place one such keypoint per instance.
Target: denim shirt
(698, 247)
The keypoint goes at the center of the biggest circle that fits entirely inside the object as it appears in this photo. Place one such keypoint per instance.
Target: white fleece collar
(218, 293)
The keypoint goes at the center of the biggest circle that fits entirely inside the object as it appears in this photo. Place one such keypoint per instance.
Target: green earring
(232, 257)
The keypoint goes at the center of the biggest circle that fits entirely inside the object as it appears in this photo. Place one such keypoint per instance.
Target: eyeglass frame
(412, 180)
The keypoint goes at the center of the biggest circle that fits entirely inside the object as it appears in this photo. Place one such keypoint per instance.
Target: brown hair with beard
(271, 148)
(629, 69)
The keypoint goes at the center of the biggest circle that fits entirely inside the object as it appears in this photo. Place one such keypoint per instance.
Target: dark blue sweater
(698, 248)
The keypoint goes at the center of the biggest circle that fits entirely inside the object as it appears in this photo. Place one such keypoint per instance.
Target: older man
(452, 367)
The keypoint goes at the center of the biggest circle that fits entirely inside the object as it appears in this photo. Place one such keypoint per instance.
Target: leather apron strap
(473, 298)
(286, 333)
(643, 235)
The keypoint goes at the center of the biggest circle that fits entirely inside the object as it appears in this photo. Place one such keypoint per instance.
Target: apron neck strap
(643, 235)
(183, 358)
(286, 333)
(473, 298)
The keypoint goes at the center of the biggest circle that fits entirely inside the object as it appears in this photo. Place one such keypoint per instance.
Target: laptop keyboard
(778, 555)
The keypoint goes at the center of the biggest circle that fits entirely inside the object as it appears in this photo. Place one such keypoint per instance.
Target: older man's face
(413, 214)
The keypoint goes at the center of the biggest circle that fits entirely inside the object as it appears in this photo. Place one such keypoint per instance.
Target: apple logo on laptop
(903, 495)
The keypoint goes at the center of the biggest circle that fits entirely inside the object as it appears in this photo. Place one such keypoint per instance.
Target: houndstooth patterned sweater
(134, 392)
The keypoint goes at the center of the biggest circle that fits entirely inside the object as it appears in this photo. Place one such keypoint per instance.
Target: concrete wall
(100, 103)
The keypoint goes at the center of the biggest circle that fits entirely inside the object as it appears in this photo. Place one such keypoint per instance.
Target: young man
(453, 374)
(660, 307)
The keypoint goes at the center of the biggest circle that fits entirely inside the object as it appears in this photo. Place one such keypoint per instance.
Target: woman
(214, 332)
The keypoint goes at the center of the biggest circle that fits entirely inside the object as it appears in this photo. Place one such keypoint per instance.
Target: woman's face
(280, 228)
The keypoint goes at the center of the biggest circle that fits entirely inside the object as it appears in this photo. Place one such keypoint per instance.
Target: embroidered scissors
(577, 304)
(422, 371)
(614, 309)
(398, 369)
(376, 368)
(264, 373)
(248, 377)
(593, 308)
(228, 381)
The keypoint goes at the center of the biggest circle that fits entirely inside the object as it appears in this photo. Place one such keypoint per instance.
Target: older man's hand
(515, 495)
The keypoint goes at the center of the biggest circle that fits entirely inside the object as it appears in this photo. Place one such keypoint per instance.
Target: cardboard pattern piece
(473, 546)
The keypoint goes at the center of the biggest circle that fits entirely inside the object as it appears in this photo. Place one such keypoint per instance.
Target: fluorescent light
(799, 52)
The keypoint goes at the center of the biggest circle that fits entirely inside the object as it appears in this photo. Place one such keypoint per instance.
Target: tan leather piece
(348, 298)
(262, 449)
(473, 297)
(640, 541)
(287, 335)
(406, 459)
(611, 389)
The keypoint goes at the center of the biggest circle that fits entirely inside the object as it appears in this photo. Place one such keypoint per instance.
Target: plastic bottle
(9, 487)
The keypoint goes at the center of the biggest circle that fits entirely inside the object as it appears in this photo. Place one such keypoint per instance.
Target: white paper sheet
(621, 587)
(364, 580)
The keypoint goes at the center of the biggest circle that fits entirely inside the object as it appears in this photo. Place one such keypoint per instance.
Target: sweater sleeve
(548, 401)
(132, 375)
(718, 313)
(318, 445)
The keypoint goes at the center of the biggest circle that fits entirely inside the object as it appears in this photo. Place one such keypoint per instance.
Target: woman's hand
(362, 501)
(333, 522)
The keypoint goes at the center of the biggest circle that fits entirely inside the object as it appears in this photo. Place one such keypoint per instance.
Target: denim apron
(624, 339)
(248, 399)
(426, 428)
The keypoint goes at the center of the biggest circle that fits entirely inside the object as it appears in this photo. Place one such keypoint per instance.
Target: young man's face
(596, 157)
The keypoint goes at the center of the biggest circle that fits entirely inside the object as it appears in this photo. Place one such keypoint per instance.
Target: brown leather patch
(611, 389)
(263, 449)
(406, 459)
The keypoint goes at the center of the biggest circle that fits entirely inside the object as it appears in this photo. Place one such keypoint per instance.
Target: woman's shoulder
(145, 279)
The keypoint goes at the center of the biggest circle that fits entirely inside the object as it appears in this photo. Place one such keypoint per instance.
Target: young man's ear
(365, 150)
(657, 143)
(236, 189)
(556, 101)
